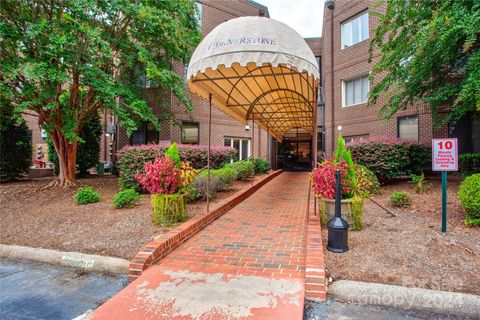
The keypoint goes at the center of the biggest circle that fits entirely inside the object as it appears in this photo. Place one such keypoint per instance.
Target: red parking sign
(444, 154)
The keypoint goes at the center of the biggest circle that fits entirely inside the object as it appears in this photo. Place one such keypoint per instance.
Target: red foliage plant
(161, 176)
(324, 180)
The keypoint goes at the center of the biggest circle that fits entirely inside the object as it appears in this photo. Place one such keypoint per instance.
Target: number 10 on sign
(444, 158)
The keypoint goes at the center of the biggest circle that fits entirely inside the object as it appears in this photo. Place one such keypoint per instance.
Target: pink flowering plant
(324, 180)
(161, 176)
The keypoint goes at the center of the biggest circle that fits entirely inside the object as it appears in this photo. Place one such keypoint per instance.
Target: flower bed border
(165, 243)
(315, 280)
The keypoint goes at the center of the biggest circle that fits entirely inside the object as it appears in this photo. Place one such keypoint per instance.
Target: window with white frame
(198, 13)
(360, 137)
(355, 91)
(408, 127)
(355, 30)
(185, 71)
(241, 145)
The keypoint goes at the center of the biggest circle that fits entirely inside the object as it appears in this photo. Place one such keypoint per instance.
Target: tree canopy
(65, 60)
(429, 51)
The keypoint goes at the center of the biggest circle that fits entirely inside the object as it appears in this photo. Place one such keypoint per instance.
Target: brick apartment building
(344, 44)
(347, 30)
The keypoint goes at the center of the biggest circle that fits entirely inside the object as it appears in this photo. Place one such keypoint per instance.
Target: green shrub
(261, 166)
(200, 185)
(101, 168)
(419, 158)
(366, 182)
(225, 176)
(421, 186)
(470, 222)
(172, 153)
(86, 195)
(390, 158)
(87, 150)
(15, 144)
(469, 163)
(400, 199)
(342, 153)
(133, 158)
(192, 194)
(244, 169)
(127, 198)
(469, 196)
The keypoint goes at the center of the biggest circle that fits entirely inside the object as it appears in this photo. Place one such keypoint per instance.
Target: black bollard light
(337, 226)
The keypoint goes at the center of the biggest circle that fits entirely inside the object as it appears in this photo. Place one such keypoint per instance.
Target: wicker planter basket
(168, 209)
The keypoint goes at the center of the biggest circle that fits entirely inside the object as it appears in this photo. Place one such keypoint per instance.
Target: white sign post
(444, 158)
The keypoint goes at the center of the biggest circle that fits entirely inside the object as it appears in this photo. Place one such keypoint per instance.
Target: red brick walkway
(248, 264)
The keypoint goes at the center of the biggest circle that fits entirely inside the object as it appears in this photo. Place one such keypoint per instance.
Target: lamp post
(337, 226)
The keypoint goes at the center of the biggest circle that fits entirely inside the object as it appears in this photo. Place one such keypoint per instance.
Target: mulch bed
(410, 249)
(49, 218)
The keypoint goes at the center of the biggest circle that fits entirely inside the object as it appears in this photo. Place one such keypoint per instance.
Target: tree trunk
(67, 159)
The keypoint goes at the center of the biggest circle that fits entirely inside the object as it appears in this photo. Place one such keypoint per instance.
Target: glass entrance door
(294, 155)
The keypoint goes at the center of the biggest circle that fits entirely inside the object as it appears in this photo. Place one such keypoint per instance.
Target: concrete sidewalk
(248, 264)
(335, 310)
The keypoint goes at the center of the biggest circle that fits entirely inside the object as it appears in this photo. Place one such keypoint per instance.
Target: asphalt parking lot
(32, 290)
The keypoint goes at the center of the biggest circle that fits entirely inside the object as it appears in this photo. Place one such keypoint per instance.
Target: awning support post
(269, 157)
(208, 155)
(315, 143)
(253, 148)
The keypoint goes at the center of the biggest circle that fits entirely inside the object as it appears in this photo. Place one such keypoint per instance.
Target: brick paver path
(264, 235)
(248, 264)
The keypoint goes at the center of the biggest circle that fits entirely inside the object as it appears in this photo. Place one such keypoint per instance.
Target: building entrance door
(294, 155)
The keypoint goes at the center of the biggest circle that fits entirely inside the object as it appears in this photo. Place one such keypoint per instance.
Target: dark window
(141, 77)
(145, 134)
(152, 134)
(408, 127)
(190, 133)
(137, 137)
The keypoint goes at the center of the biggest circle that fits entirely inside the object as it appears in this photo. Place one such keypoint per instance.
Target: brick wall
(316, 45)
(32, 122)
(349, 63)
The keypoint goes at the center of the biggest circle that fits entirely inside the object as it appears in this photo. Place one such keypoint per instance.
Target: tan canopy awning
(257, 68)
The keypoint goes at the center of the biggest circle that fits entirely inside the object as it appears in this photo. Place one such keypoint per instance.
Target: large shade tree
(66, 60)
(429, 51)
